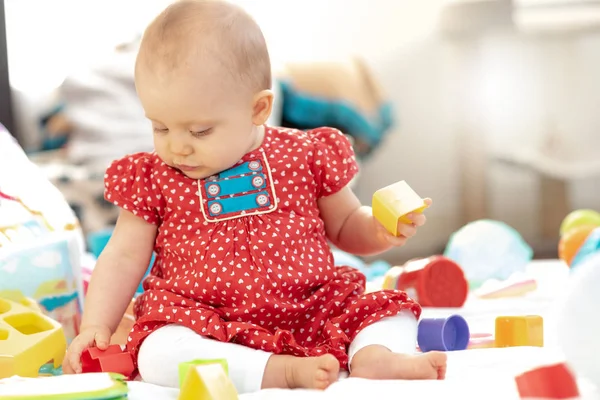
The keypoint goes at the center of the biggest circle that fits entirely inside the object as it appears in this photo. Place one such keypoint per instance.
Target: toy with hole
(392, 203)
(433, 282)
(28, 340)
(519, 330)
(207, 382)
(443, 334)
(113, 359)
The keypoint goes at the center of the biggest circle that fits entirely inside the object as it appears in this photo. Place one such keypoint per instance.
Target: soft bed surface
(472, 374)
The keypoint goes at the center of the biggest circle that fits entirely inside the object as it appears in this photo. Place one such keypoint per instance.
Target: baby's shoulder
(137, 169)
(308, 139)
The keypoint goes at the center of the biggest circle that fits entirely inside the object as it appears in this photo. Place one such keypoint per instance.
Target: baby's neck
(259, 134)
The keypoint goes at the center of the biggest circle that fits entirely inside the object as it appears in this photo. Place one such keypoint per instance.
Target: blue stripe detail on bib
(232, 186)
(248, 202)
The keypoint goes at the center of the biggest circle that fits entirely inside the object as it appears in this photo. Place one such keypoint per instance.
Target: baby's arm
(118, 272)
(351, 226)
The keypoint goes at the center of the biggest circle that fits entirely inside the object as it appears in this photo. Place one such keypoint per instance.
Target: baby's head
(203, 76)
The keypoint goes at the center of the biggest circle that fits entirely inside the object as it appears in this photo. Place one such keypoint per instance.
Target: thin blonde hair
(188, 31)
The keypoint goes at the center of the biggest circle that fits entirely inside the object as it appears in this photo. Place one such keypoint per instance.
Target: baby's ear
(262, 106)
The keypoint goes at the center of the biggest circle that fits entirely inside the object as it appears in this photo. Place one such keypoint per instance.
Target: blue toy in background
(488, 249)
(371, 271)
(305, 111)
(590, 247)
(97, 241)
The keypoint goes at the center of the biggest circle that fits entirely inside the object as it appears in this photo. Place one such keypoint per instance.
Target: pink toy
(481, 341)
(509, 289)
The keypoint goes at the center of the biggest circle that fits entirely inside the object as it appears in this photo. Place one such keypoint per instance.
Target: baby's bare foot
(377, 362)
(289, 372)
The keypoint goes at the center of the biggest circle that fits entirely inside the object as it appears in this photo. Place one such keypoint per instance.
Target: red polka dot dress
(243, 257)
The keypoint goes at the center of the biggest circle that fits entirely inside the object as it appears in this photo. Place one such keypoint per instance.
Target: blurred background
(488, 107)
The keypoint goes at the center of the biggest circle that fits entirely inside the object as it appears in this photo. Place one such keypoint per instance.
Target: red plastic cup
(548, 382)
(434, 282)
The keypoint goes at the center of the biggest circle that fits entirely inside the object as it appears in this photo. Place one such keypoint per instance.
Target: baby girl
(240, 216)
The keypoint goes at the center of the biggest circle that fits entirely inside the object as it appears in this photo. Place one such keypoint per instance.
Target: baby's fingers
(102, 339)
(72, 363)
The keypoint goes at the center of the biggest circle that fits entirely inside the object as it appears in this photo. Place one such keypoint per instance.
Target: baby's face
(202, 126)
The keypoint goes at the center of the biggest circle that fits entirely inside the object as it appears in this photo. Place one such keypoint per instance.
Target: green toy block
(184, 367)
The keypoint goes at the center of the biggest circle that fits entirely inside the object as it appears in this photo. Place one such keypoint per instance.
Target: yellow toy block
(185, 367)
(207, 382)
(28, 340)
(526, 330)
(393, 202)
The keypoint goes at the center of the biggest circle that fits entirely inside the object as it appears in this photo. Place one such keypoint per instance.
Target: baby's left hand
(405, 231)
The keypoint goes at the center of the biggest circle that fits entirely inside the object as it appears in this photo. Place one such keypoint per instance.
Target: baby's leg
(250, 370)
(385, 350)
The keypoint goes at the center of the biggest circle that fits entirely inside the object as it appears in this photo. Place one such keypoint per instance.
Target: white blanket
(472, 374)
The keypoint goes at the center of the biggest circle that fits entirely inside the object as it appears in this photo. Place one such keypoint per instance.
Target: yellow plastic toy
(28, 340)
(185, 367)
(207, 382)
(526, 330)
(393, 202)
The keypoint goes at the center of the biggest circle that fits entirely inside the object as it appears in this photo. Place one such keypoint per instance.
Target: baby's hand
(405, 231)
(93, 336)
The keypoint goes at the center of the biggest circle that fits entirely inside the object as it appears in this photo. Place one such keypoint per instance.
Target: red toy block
(113, 359)
(550, 382)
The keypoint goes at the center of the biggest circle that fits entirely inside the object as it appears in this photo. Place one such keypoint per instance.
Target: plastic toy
(579, 218)
(548, 382)
(185, 367)
(590, 247)
(488, 249)
(65, 387)
(393, 202)
(512, 331)
(113, 359)
(443, 334)
(28, 340)
(207, 382)
(508, 289)
(577, 328)
(481, 341)
(433, 282)
(570, 242)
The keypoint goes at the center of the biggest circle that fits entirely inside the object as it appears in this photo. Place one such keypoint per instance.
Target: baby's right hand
(93, 336)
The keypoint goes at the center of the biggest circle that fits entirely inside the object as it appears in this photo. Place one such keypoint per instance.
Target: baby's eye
(201, 133)
(160, 130)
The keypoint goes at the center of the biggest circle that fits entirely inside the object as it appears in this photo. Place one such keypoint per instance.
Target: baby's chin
(195, 173)
(198, 173)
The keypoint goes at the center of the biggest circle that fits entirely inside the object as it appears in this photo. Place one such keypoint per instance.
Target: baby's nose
(180, 148)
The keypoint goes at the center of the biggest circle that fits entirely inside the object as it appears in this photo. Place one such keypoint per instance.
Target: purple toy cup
(443, 334)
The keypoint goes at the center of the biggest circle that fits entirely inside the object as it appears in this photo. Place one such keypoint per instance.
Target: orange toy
(525, 330)
(571, 241)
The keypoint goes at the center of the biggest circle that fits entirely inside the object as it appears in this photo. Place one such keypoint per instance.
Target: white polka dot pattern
(266, 281)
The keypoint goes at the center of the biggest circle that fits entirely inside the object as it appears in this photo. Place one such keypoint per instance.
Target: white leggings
(163, 350)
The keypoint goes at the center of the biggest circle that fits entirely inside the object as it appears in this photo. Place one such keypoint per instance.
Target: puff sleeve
(334, 161)
(128, 184)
